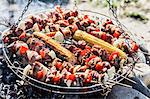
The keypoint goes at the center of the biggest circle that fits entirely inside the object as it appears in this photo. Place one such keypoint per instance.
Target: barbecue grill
(103, 88)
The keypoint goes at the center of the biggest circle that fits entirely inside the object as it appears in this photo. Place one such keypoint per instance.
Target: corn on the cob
(81, 35)
(56, 46)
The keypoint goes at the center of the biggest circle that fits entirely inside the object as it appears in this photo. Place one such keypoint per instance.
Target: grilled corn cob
(56, 46)
(81, 35)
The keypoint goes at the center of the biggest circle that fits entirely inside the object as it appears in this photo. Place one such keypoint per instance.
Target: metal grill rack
(71, 90)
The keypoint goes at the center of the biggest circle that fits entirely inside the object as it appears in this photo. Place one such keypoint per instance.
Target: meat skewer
(86, 51)
(56, 46)
(81, 35)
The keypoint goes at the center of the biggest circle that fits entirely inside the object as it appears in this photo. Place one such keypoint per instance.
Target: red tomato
(56, 79)
(90, 21)
(88, 59)
(74, 27)
(74, 13)
(88, 80)
(116, 34)
(99, 66)
(23, 50)
(104, 36)
(108, 21)
(58, 65)
(91, 57)
(112, 55)
(86, 17)
(71, 77)
(40, 74)
(84, 52)
(23, 35)
(135, 47)
(42, 53)
(88, 47)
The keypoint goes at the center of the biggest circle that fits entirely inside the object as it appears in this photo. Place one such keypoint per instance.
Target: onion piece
(76, 68)
(20, 43)
(68, 83)
(117, 42)
(111, 72)
(106, 78)
(28, 70)
(22, 25)
(30, 54)
(36, 27)
(59, 36)
(52, 54)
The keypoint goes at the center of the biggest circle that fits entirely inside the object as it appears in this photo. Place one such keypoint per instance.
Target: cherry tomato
(91, 57)
(59, 65)
(74, 13)
(104, 36)
(71, 77)
(135, 47)
(108, 21)
(88, 79)
(99, 66)
(23, 35)
(56, 79)
(90, 21)
(88, 59)
(88, 47)
(86, 17)
(83, 52)
(40, 74)
(112, 55)
(74, 27)
(23, 50)
(42, 53)
(116, 34)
